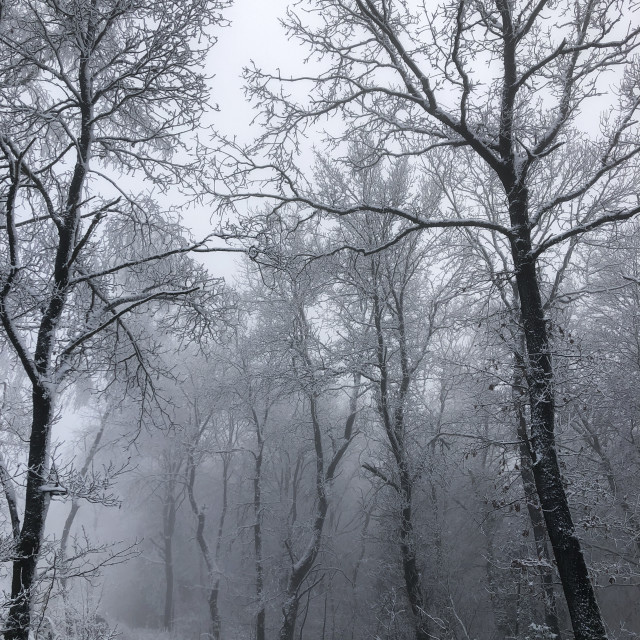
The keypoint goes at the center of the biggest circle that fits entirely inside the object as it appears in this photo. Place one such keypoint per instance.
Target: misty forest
(360, 361)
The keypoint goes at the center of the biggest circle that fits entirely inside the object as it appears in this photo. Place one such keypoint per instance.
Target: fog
(319, 320)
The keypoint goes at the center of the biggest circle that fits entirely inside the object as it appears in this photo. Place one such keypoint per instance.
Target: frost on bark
(302, 563)
(224, 431)
(390, 288)
(536, 516)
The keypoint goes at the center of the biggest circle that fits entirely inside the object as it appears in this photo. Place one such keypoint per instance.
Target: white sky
(254, 34)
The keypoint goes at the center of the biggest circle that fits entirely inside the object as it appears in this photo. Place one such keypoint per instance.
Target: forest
(364, 366)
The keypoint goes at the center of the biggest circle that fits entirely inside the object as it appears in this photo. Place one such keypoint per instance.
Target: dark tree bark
(536, 516)
(36, 500)
(301, 566)
(574, 575)
(255, 391)
(405, 81)
(211, 559)
(212, 571)
(35, 514)
(392, 396)
(41, 369)
(170, 470)
(257, 527)
(93, 72)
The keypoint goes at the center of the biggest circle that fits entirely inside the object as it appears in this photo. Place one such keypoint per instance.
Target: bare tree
(409, 78)
(255, 386)
(385, 298)
(92, 91)
(493, 260)
(223, 433)
(295, 291)
(393, 381)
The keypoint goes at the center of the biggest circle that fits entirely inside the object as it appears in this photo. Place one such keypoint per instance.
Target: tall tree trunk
(301, 566)
(212, 560)
(409, 562)
(168, 529)
(207, 556)
(214, 592)
(536, 516)
(392, 416)
(257, 532)
(42, 368)
(27, 550)
(577, 587)
(289, 612)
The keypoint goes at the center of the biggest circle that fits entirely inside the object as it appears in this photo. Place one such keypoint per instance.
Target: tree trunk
(214, 578)
(169, 525)
(40, 372)
(324, 476)
(27, 550)
(409, 564)
(578, 590)
(299, 571)
(393, 420)
(301, 567)
(536, 516)
(257, 533)
(212, 561)
(289, 616)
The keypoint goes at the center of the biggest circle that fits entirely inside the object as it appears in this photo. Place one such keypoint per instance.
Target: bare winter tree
(92, 91)
(223, 431)
(385, 298)
(296, 292)
(254, 385)
(497, 87)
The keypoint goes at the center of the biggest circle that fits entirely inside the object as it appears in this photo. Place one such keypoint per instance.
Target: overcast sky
(254, 34)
